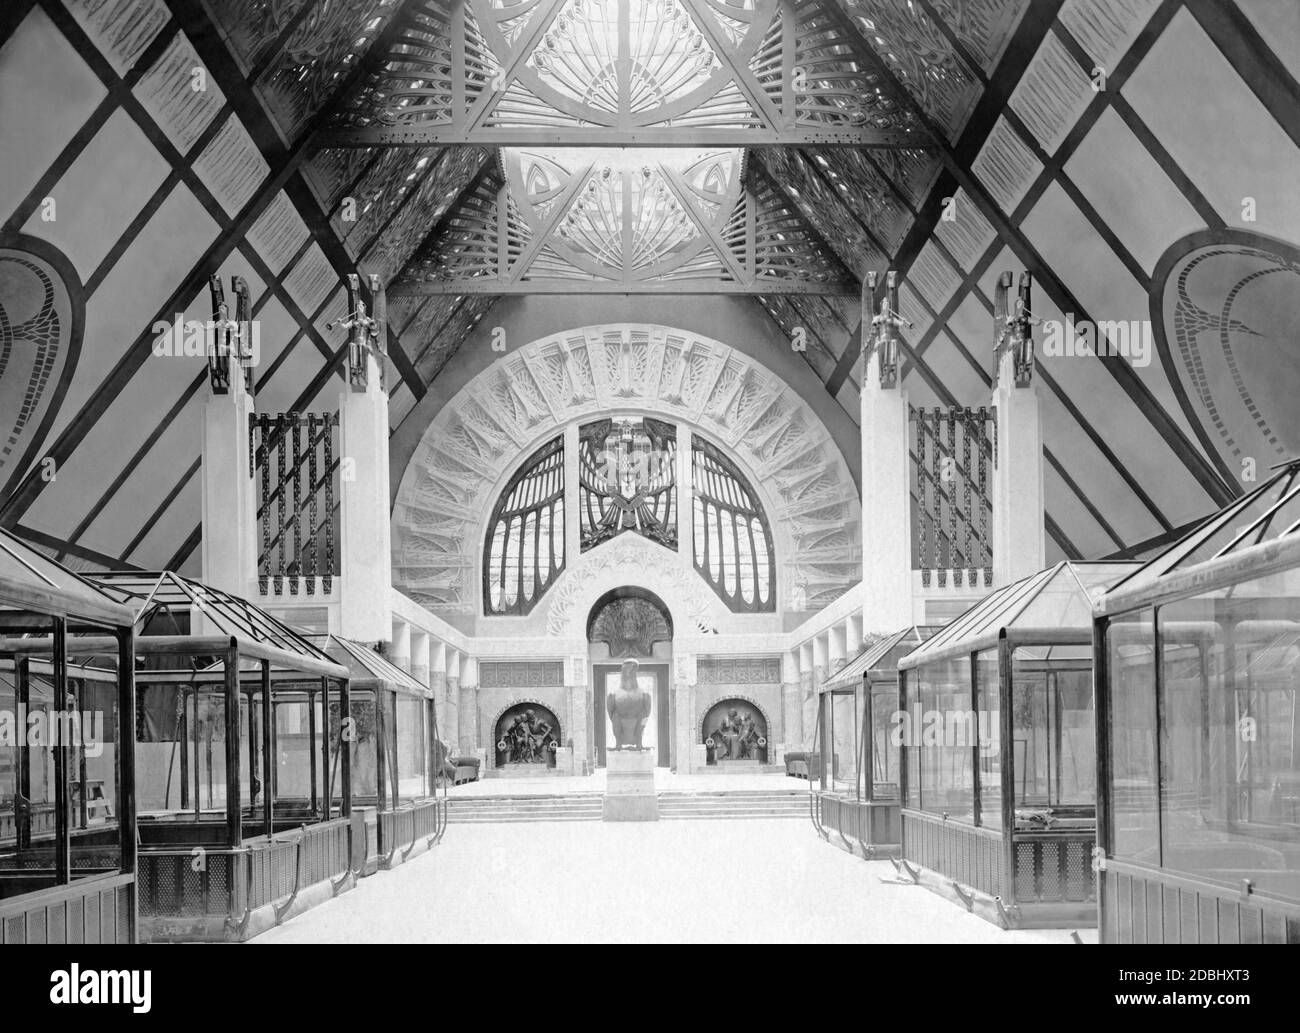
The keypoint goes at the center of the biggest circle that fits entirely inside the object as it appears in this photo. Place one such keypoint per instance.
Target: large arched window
(524, 551)
(733, 543)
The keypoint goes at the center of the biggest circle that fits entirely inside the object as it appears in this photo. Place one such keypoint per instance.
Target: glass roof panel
(28, 577)
(1059, 597)
(165, 593)
(1218, 531)
(1233, 531)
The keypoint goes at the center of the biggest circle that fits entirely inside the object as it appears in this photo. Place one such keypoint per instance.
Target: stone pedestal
(630, 786)
(699, 757)
(564, 761)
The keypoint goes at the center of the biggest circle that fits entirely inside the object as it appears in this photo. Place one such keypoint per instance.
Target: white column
(791, 705)
(468, 696)
(685, 498)
(400, 651)
(572, 497)
(365, 582)
(420, 656)
(1019, 537)
(807, 694)
(229, 496)
(445, 664)
(836, 646)
(886, 500)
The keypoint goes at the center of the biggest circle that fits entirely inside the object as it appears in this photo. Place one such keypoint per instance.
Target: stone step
(733, 816)
(698, 805)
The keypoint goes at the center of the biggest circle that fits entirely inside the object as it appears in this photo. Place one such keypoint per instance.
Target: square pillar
(468, 696)
(575, 679)
(684, 731)
(365, 550)
(400, 651)
(1019, 534)
(791, 703)
(420, 655)
(448, 715)
(886, 499)
(229, 495)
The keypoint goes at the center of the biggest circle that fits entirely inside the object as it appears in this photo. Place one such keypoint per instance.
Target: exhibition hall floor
(671, 881)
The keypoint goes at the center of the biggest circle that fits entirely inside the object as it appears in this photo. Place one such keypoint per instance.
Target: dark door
(601, 673)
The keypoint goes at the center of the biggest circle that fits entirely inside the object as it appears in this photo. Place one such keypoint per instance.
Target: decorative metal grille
(294, 466)
(627, 474)
(952, 454)
(524, 550)
(733, 540)
(520, 674)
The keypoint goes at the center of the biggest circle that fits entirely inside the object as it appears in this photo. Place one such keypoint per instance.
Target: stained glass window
(524, 551)
(733, 544)
(627, 472)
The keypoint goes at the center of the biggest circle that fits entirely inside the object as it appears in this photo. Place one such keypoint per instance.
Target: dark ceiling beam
(103, 560)
(13, 14)
(1026, 39)
(217, 57)
(1253, 59)
(284, 164)
(958, 161)
(1160, 541)
(609, 136)
(582, 288)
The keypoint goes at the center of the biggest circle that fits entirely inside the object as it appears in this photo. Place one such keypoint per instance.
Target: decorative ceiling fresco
(467, 150)
(1229, 323)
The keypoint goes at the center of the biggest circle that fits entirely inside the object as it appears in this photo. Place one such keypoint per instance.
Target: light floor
(749, 881)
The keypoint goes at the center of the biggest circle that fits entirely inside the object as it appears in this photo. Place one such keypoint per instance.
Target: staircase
(728, 804)
(560, 807)
(717, 805)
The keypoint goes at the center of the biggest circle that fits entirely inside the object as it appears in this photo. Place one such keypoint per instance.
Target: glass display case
(243, 781)
(393, 761)
(1199, 732)
(998, 761)
(855, 787)
(67, 762)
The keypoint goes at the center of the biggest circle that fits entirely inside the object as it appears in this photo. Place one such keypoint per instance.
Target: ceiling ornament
(624, 72)
(632, 221)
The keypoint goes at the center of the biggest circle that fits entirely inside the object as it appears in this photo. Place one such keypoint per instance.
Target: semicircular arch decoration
(527, 397)
(41, 321)
(1227, 326)
(526, 731)
(735, 727)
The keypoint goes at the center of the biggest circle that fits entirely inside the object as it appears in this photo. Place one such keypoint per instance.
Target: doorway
(653, 677)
